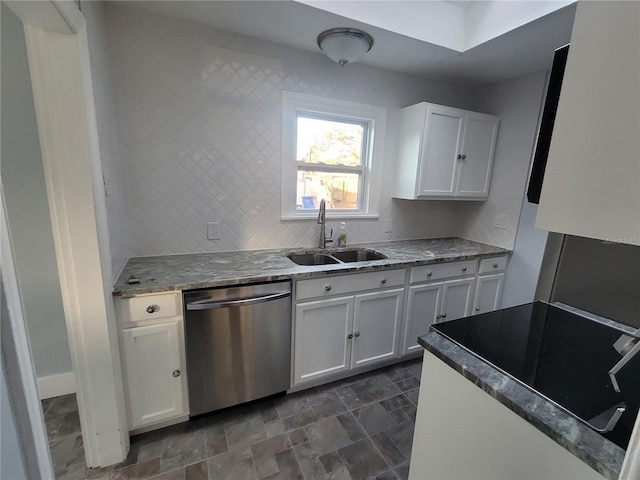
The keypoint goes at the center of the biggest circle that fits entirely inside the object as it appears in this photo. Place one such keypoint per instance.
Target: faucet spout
(323, 240)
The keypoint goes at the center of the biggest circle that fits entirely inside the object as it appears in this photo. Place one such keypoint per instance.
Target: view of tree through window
(330, 163)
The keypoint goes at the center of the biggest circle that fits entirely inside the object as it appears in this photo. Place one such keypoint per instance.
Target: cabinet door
(457, 296)
(321, 344)
(154, 368)
(423, 304)
(438, 164)
(488, 293)
(478, 146)
(376, 326)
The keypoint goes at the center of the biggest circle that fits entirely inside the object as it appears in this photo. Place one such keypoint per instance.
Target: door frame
(59, 65)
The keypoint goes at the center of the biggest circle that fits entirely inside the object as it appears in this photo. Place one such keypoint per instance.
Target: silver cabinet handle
(176, 373)
(477, 309)
(350, 336)
(327, 288)
(495, 265)
(429, 273)
(444, 315)
(438, 317)
(357, 334)
(153, 308)
(384, 280)
(464, 269)
(459, 157)
(464, 156)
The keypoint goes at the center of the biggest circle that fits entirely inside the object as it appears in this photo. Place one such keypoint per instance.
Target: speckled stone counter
(596, 451)
(203, 270)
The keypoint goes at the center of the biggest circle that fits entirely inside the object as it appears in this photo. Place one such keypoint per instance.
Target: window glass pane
(328, 141)
(339, 190)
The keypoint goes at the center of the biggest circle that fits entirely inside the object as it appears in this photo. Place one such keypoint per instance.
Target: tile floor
(358, 428)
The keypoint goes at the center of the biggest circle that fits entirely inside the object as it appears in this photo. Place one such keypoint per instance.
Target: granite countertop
(592, 448)
(203, 270)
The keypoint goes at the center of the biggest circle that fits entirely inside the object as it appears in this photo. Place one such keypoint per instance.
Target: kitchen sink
(333, 257)
(359, 255)
(311, 259)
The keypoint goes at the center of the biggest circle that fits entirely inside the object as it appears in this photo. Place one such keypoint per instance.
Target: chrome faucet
(322, 221)
(628, 346)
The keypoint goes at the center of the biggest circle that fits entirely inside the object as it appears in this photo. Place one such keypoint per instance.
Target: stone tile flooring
(358, 428)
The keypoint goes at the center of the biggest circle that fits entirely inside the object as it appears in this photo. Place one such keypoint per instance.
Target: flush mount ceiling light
(345, 45)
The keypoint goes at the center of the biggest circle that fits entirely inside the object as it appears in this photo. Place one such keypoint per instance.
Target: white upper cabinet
(445, 153)
(592, 178)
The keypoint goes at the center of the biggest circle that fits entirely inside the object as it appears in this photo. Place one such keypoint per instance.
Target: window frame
(312, 106)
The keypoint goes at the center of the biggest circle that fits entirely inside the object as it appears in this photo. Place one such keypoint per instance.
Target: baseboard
(56, 385)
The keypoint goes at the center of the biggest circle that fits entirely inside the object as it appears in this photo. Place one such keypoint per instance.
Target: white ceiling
(523, 50)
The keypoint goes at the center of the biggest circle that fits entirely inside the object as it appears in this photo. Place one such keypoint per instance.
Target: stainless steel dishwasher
(238, 344)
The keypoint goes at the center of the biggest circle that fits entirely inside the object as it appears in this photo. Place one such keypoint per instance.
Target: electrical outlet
(500, 221)
(212, 231)
(388, 225)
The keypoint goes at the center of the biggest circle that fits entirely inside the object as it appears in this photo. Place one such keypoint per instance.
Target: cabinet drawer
(150, 307)
(490, 265)
(438, 271)
(341, 284)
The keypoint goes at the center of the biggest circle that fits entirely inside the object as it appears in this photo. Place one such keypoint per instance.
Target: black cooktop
(557, 353)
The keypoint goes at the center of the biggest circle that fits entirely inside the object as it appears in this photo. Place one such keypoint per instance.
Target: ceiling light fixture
(345, 45)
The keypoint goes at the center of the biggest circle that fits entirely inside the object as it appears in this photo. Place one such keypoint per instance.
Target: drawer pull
(350, 336)
(444, 315)
(176, 373)
(495, 265)
(429, 273)
(477, 309)
(327, 288)
(438, 317)
(153, 308)
(357, 334)
(464, 269)
(383, 281)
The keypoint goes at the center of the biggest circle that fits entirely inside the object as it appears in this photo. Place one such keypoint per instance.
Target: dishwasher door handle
(209, 305)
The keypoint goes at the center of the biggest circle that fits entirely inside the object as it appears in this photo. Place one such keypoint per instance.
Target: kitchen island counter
(206, 270)
(600, 454)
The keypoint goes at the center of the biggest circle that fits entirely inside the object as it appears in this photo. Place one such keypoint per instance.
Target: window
(331, 150)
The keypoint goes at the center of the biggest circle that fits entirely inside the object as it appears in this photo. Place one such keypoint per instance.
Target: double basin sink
(335, 256)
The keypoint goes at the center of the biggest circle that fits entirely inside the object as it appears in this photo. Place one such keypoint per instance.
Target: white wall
(517, 103)
(110, 146)
(199, 113)
(27, 208)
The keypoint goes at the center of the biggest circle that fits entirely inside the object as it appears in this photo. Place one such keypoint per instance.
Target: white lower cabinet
(154, 372)
(433, 302)
(376, 326)
(321, 330)
(488, 293)
(336, 334)
(153, 359)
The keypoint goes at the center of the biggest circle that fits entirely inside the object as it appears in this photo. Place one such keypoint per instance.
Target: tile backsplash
(199, 120)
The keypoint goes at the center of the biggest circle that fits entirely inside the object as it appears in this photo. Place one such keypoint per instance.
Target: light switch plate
(500, 221)
(212, 231)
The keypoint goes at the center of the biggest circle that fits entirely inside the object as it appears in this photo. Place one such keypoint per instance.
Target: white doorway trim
(18, 364)
(56, 38)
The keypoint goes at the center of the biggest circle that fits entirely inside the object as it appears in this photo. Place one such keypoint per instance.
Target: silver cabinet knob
(350, 336)
(153, 308)
(444, 315)
(429, 273)
(495, 265)
(176, 373)
(464, 269)
(477, 309)
(464, 156)
(357, 334)
(438, 317)
(459, 157)
(383, 281)
(327, 288)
